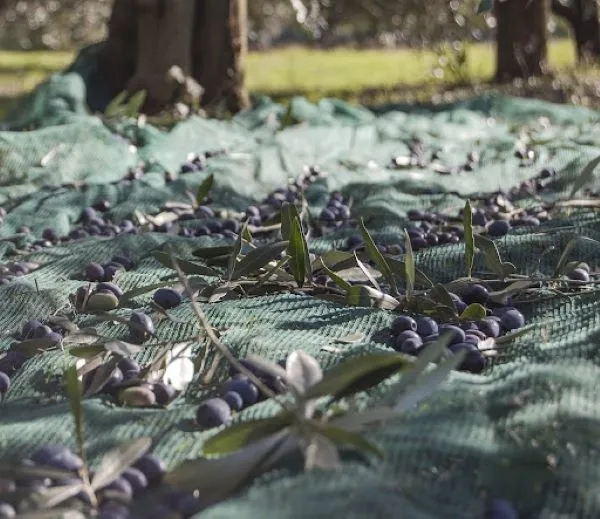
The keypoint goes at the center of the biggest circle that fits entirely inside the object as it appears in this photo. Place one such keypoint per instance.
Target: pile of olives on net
(410, 334)
(127, 387)
(114, 500)
(235, 395)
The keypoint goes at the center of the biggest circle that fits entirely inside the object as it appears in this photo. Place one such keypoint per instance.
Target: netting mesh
(526, 429)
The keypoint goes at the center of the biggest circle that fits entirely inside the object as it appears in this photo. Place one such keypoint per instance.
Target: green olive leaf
(378, 258)
(119, 459)
(358, 374)
(258, 258)
(238, 435)
(585, 177)
(341, 436)
(409, 262)
(362, 295)
(187, 267)
(204, 188)
(473, 312)
(492, 258)
(469, 240)
(296, 251)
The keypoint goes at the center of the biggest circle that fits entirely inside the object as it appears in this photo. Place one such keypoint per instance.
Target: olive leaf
(180, 367)
(286, 221)
(358, 374)
(188, 267)
(334, 260)
(122, 348)
(426, 385)
(258, 258)
(240, 434)
(101, 376)
(338, 280)
(73, 387)
(86, 352)
(119, 459)
(377, 257)
(564, 257)
(321, 453)
(268, 367)
(302, 370)
(367, 273)
(204, 188)
(501, 296)
(115, 107)
(63, 322)
(217, 479)
(431, 353)
(82, 336)
(399, 269)
(409, 263)
(509, 337)
(469, 240)
(31, 347)
(235, 253)
(585, 177)
(473, 312)
(362, 295)
(339, 435)
(134, 105)
(51, 497)
(213, 252)
(492, 258)
(298, 252)
(440, 295)
(246, 234)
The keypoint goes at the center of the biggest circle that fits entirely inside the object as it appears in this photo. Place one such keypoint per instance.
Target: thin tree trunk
(220, 25)
(582, 16)
(206, 38)
(521, 48)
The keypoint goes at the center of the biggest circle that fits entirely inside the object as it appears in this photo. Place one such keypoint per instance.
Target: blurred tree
(521, 49)
(582, 16)
(206, 39)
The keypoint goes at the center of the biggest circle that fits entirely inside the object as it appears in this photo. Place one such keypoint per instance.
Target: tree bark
(521, 49)
(582, 16)
(206, 38)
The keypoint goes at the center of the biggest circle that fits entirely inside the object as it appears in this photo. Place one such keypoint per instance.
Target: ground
(367, 76)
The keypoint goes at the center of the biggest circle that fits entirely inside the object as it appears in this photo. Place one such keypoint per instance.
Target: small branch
(223, 349)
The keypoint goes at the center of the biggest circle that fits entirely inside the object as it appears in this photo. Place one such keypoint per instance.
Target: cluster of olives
(236, 394)
(337, 211)
(127, 387)
(107, 272)
(14, 269)
(199, 161)
(114, 499)
(411, 334)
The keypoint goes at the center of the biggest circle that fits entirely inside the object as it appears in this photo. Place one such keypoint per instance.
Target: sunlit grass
(299, 70)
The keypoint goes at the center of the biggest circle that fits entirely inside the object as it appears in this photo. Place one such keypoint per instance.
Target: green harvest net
(527, 430)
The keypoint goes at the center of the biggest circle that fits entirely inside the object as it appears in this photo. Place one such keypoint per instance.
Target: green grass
(305, 70)
(298, 70)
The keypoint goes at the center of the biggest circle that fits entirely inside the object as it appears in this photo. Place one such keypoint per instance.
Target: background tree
(206, 39)
(582, 16)
(521, 39)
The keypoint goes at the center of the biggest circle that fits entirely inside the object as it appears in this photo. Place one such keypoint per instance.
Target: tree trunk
(521, 48)
(205, 38)
(582, 16)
